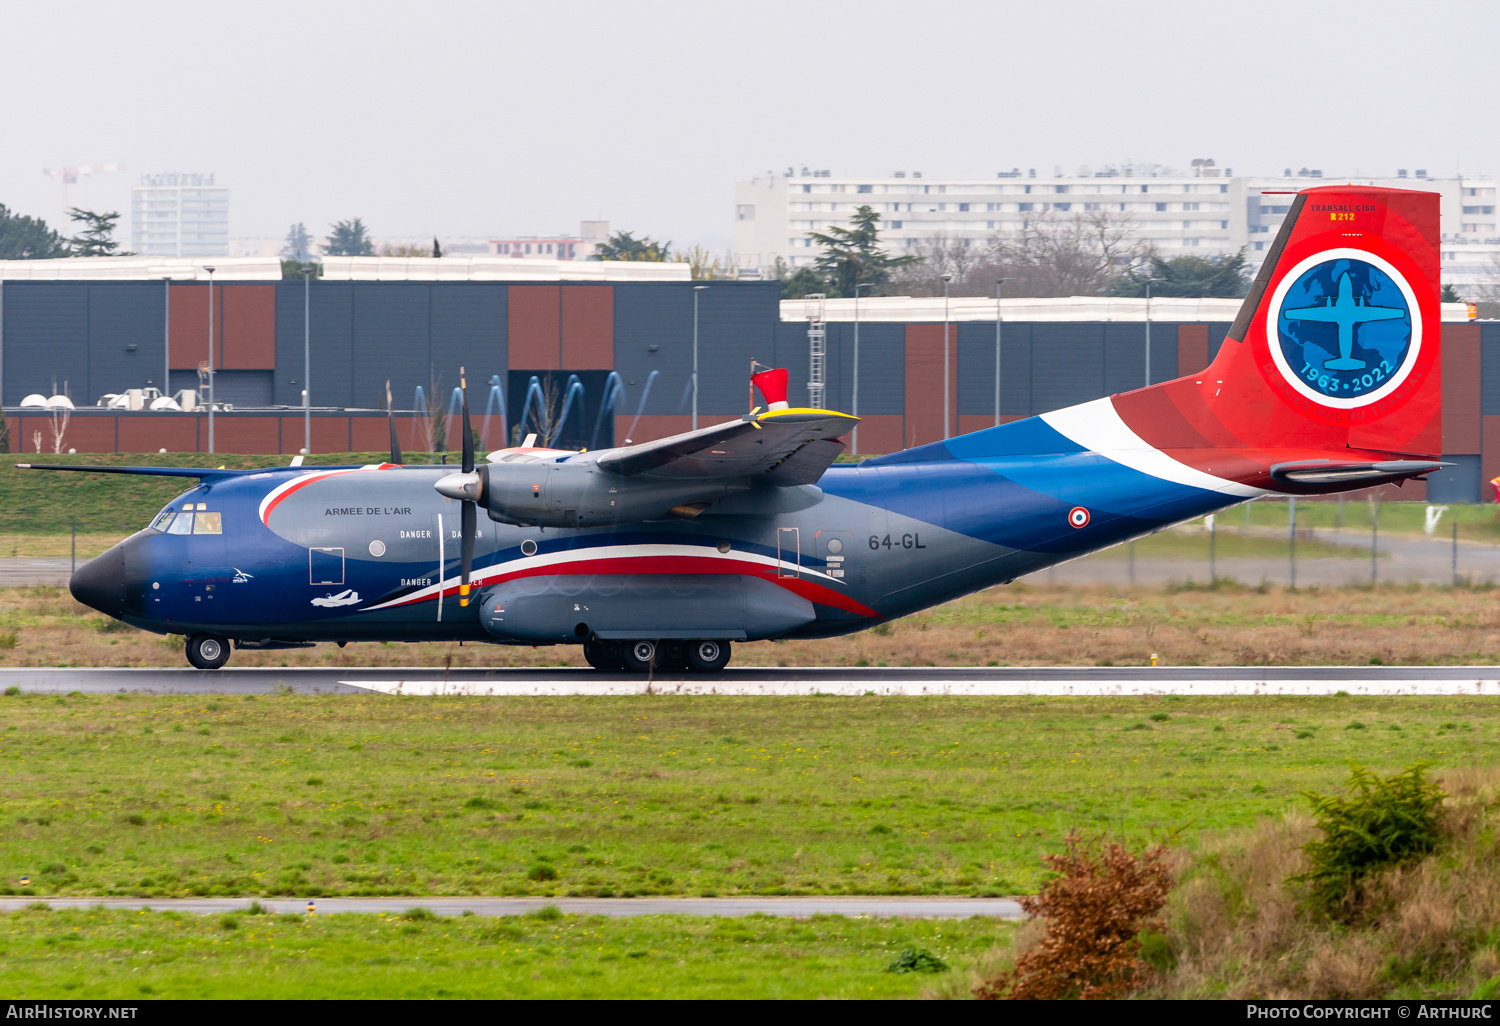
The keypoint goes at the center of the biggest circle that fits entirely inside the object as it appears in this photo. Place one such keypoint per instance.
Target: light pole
(855, 411)
(307, 361)
(166, 347)
(210, 271)
(1148, 332)
(947, 281)
(999, 283)
(696, 289)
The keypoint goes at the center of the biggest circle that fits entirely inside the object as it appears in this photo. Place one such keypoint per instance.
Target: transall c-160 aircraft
(665, 553)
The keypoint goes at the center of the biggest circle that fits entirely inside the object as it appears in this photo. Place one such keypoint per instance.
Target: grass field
(1019, 625)
(97, 954)
(300, 795)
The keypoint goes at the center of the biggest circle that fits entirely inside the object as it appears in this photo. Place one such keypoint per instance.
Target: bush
(545, 913)
(917, 960)
(1093, 911)
(541, 871)
(1382, 823)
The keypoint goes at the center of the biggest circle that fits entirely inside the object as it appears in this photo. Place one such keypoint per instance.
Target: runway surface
(770, 681)
(796, 908)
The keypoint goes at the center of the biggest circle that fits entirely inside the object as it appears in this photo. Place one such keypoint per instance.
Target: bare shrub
(1095, 911)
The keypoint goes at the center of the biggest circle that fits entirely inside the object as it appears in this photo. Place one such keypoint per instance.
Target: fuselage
(347, 554)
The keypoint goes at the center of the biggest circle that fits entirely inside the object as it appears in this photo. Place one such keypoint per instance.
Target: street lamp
(947, 280)
(210, 271)
(999, 283)
(1148, 331)
(855, 411)
(166, 348)
(696, 289)
(307, 274)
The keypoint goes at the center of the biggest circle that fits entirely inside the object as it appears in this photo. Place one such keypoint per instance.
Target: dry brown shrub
(1238, 930)
(1094, 913)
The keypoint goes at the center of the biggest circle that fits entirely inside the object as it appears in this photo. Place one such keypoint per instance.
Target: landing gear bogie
(693, 656)
(604, 655)
(207, 651)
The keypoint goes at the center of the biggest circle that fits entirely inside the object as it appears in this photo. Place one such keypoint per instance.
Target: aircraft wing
(784, 447)
(1313, 313)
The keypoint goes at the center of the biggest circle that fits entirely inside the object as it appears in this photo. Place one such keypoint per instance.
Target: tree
(853, 255)
(28, 238)
(625, 246)
(1450, 295)
(349, 238)
(301, 268)
(804, 282)
(298, 244)
(96, 236)
(1190, 277)
(706, 266)
(437, 250)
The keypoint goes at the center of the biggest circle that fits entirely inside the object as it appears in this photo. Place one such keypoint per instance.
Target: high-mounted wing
(782, 447)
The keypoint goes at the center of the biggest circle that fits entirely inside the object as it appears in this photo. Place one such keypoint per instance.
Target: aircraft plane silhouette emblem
(1346, 312)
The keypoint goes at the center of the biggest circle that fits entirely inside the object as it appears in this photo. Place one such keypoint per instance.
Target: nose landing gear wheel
(207, 651)
(638, 655)
(708, 656)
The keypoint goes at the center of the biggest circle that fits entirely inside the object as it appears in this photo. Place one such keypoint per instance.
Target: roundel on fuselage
(1344, 329)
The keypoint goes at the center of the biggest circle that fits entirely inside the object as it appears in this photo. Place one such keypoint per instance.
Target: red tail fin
(1336, 348)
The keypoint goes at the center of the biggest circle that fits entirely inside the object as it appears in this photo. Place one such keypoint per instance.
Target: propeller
(467, 487)
(468, 511)
(390, 417)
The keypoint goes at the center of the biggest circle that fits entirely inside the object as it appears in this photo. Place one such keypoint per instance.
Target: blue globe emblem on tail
(1345, 328)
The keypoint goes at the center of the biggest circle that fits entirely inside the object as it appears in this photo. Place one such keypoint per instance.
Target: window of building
(807, 188)
(745, 212)
(1061, 188)
(1065, 207)
(1223, 188)
(1144, 188)
(1479, 210)
(893, 224)
(1028, 190)
(1223, 225)
(1260, 245)
(1159, 206)
(866, 188)
(1024, 207)
(1190, 206)
(963, 208)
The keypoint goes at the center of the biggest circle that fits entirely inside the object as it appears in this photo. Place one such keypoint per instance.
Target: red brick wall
(879, 433)
(1192, 348)
(249, 327)
(534, 332)
(1461, 385)
(588, 327)
(924, 383)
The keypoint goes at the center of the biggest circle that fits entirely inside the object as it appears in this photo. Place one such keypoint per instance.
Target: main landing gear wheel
(708, 656)
(638, 656)
(207, 651)
(603, 655)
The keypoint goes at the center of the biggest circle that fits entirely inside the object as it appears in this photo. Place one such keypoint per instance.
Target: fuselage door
(325, 566)
(788, 552)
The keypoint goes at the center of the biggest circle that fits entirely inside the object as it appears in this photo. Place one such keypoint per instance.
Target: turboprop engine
(580, 494)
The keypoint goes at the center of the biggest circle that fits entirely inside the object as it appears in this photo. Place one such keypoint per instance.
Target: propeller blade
(466, 552)
(463, 391)
(390, 416)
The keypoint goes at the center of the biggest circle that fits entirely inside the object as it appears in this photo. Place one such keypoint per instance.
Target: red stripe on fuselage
(808, 589)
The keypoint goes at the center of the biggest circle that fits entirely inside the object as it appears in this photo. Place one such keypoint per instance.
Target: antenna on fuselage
(390, 418)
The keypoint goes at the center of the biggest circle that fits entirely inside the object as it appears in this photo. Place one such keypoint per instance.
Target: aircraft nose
(100, 583)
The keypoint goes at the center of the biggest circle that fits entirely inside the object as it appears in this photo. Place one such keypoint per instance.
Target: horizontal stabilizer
(1330, 473)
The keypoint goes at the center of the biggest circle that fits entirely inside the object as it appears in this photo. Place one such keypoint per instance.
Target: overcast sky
(467, 118)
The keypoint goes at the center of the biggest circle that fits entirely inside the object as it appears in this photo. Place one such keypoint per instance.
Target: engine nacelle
(582, 495)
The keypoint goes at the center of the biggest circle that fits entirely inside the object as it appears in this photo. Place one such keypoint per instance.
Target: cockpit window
(162, 519)
(182, 525)
(208, 523)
